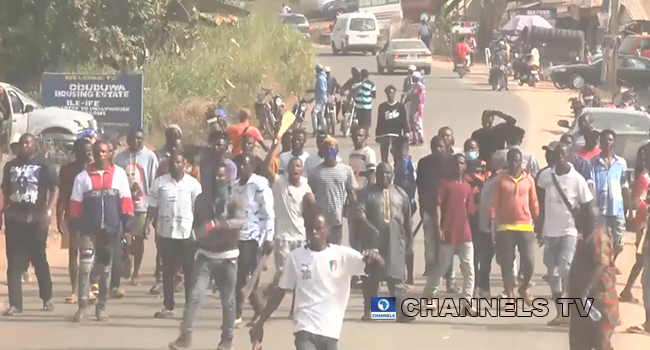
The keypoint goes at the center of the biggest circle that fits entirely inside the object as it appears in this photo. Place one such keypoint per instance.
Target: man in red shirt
(456, 204)
(237, 132)
(590, 149)
(461, 50)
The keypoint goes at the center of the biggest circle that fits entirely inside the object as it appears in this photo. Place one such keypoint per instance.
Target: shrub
(224, 61)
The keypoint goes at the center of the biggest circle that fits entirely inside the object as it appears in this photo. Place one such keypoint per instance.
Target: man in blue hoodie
(320, 91)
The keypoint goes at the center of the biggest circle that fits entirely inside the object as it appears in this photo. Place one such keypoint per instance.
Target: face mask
(332, 153)
(471, 155)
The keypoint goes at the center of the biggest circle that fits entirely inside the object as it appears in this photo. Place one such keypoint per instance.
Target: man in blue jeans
(320, 97)
(610, 188)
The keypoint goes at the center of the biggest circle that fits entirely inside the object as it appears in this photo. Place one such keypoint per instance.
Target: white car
(28, 116)
(297, 21)
(402, 53)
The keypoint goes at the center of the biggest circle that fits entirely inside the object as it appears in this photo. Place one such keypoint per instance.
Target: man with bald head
(30, 190)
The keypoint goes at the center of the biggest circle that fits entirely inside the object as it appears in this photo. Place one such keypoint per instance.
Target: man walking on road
(333, 184)
(256, 198)
(82, 157)
(565, 193)
(217, 237)
(384, 213)
(430, 171)
(392, 123)
(515, 206)
(101, 205)
(416, 99)
(491, 138)
(363, 162)
(364, 92)
(514, 140)
(298, 139)
(30, 190)
(456, 202)
(320, 273)
(320, 95)
(171, 206)
(610, 188)
(141, 166)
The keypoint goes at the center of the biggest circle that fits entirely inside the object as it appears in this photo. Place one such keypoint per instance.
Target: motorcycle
(498, 78)
(576, 106)
(330, 114)
(216, 117)
(463, 68)
(269, 113)
(300, 110)
(349, 118)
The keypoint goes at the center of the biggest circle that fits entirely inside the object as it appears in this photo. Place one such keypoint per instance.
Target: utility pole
(611, 77)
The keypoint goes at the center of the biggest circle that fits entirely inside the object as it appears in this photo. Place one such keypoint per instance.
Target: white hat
(413, 68)
(417, 74)
(15, 138)
(327, 69)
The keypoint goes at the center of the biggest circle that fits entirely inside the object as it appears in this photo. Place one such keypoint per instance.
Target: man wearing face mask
(384, 211)
(316, 159)
(333, 184)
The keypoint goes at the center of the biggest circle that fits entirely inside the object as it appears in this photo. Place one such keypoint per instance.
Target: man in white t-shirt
(320, 274)
(298, 139)
(565, 193)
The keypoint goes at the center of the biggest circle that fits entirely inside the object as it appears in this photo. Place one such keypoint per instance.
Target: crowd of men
(214, 220)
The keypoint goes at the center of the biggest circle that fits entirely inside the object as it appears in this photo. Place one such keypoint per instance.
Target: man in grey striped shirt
(333, 183)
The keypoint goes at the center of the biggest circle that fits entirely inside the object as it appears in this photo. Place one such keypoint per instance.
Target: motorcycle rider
(320, 95)
(471, 42)
(333, 89)
(589, 96)
(500, 58)
(531, 59)
(461, 50)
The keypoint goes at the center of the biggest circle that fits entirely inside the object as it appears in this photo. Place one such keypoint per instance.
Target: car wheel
(390, 70)
(577, 81)
(344, 50)
(380, 69)
(334, 50)
(559, 85)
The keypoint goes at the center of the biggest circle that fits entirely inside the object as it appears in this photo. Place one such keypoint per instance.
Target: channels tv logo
(383, 308)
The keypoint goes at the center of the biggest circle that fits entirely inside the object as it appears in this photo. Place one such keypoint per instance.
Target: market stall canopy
(518, 23)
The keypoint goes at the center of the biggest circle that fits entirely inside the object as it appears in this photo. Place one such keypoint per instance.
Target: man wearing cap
(408, 82)
(416, 108)
(565, 193)
(320, 96)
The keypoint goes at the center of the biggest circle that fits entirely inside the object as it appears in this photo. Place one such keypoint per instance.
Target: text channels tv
(383, 308)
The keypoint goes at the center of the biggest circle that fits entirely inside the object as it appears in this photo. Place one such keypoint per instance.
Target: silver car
(631, 128)
(299, 22)
(401, 53)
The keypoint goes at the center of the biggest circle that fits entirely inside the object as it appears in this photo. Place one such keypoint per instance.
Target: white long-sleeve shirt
(257, 200)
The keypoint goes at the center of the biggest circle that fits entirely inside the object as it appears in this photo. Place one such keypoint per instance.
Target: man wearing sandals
(565, 192)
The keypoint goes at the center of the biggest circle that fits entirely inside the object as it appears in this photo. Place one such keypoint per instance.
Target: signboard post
(116, 101)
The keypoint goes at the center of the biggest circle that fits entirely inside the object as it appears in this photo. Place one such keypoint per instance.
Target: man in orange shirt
(237, 132)
(514, 207)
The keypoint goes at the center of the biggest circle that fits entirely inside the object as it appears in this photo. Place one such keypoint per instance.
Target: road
(450, 102)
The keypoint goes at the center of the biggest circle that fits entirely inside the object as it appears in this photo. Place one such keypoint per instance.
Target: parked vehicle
(331, 9)
(399, 54)
(635, 45)
(269, 111)
(558, 45)
(300, 109)
(358, 32)
(634, 70)
(216, 117)
(631, 128)
(57, 126)
(297, 21)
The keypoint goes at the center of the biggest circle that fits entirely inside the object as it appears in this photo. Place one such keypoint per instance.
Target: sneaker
(239, 322)
(11, 311)
(184, 341)
(101, 315)
(453, 289)
(48, 305)
(163, 314)
(117, 293)
(225, 344)
(156, 289)
(79, 316)
(94, 289)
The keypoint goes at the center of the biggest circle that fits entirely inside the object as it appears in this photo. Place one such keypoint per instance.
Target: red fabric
(586, 154)
(74, 211)
(461, 50)
(456, 203)
(235, 134)
(514, 201)
(642, 183)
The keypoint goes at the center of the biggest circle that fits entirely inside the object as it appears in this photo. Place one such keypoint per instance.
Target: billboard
(115, 100)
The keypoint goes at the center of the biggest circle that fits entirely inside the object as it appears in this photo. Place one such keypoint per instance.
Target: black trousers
(364, 117)
(175, 252)
(246, 264)
(25, 243)
(483, 254)
(117, 269)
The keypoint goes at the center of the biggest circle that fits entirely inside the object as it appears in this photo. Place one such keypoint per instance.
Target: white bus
(384, 10)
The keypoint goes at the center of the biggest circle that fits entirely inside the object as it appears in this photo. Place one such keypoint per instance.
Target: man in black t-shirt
(392, 122)
(30, 190)
(492, 138)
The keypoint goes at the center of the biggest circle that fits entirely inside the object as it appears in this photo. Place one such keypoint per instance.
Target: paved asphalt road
(451, 102)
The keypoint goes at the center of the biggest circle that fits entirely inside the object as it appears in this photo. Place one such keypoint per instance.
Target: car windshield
(408, 45)
(295, 20)
(362, 24)
(26, 99)
(620, 122)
